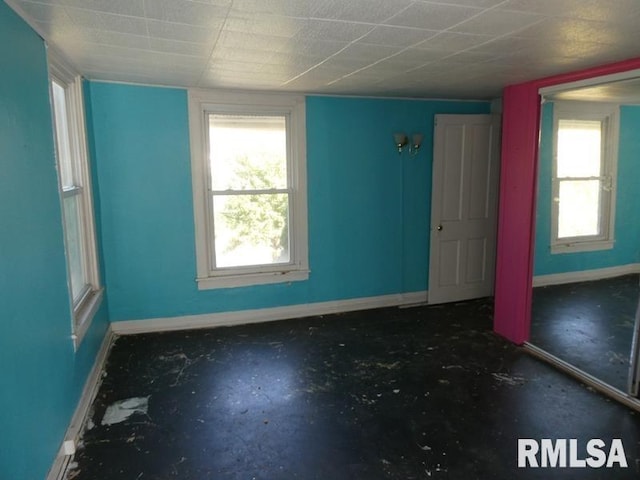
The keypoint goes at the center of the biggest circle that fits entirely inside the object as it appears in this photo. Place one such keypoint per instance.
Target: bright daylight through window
(583, 186)
(75, 191)
(250, 191)
(249, 188)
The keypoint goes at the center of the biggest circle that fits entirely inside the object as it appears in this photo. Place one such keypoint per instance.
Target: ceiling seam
(347, 46)
(447, 30)
(215, 44)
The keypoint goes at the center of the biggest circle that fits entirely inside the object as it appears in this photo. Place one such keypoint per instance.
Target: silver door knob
(439, 228)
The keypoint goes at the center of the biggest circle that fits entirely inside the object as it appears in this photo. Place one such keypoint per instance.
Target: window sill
(582, 246)
(84, 313)
(245, 280)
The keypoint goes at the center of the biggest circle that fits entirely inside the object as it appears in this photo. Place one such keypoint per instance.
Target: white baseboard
(82, 410)
(209, 320)
(585, 275)
(206, 321)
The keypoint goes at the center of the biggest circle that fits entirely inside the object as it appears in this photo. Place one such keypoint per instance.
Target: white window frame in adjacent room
(74, 181)
(608, 115)
(292, 107)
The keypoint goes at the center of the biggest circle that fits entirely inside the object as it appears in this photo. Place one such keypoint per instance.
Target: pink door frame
(520, 130)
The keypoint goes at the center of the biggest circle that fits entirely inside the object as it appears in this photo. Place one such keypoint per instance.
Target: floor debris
(508, 379)
(120, 411)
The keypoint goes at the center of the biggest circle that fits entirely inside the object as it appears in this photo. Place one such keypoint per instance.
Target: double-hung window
(249, 184)
(75, 192)
(583, 184)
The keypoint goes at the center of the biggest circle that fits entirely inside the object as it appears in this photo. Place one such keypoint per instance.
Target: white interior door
(464, 207)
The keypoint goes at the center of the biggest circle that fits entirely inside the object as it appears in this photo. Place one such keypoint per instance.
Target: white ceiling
(406, 48)
(622, 91)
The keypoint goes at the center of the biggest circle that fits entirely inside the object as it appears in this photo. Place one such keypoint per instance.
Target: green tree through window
(258, 219)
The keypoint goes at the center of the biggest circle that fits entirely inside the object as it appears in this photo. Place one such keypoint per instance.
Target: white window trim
(85, 309)
(202, 101)
(588, 111)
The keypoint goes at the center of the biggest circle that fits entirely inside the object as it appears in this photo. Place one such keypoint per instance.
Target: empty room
(319, 239)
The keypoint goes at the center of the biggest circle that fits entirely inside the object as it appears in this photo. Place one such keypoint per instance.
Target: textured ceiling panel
(416, 48)
(264, 24)
(184, 11)
(120, 7)
(366, 11)
(617, 11)
(498, 22)
(293, 8)
(334, 30)
(397, 36)
(433, 16)
(106, 21)
(454, 42)
(472, 3)
(185, 33)
(181, 48)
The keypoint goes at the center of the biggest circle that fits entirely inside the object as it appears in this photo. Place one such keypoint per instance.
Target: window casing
(249, 184)
(75, 193)
(584, 176)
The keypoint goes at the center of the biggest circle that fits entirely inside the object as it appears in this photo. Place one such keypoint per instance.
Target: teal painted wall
(40, 375)
(368, 208)
(627, 222)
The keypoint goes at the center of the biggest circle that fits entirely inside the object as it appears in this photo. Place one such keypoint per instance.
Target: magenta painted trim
(515, 217)
(520, 133)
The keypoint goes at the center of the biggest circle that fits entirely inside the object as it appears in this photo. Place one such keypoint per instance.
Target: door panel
(476, 260)
(479, 201)
(449, 255)
(453, 176)
(464, 207)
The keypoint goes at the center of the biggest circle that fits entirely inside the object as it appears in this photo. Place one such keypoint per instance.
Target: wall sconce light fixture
(402, 140)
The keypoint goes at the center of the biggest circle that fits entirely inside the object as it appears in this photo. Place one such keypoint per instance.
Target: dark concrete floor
(427, 392)
(589, 325)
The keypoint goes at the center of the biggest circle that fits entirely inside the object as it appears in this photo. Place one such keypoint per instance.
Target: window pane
(579, 208)
(62, 134)
(251, 229)
(73, 237)
(579, 148)
(247, 152)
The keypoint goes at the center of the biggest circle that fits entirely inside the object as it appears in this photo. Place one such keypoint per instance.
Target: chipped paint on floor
(121, 410)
